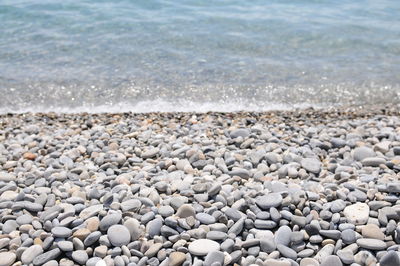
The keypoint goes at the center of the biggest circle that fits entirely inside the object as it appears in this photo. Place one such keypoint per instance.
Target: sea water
(197, 55)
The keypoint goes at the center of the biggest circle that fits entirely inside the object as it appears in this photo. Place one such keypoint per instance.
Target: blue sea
(192, 55)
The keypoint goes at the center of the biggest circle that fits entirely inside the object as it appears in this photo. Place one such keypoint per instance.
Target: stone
(312, 165)
(202, 247)
(118, 235)
(346, 256)
(205, 218)
(62, 232)
(286, 252)
(110, 220)
(372, 231)
(47, 256)
(214, 257)
(360, 153)
(150, 153)
(185, 210)
(309, 262)
(270, 200)
(133, 226)
(240, 132)
(80, 256)
(390, 259)
(7, 258)
(267, 245)
(331, 260)
(357, 213)
(283, 235)
(152, 251)
(373, 161)
(370, 243)
(131, 205)
(65, 246)
(177, 258)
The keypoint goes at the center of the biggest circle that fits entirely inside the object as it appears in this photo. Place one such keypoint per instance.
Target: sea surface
(197, 55)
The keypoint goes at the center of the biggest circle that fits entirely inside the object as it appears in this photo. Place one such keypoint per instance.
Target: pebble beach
(284, 188)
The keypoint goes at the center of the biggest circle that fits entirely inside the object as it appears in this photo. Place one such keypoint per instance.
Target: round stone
(166, 211)
(185, 210)
(331, 260)
(360, 153)
(205, 218)
(312, 165)
(390, 259)
(80, 256)
(118, 235)
(110, 220)
(202, 247)
(133, 226)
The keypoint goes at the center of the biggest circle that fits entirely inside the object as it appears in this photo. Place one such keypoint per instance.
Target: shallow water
(197, 55)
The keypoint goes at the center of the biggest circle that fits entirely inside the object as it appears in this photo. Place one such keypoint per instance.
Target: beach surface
(301, 187)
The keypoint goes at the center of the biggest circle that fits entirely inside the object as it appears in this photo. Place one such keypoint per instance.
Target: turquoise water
(75, 55)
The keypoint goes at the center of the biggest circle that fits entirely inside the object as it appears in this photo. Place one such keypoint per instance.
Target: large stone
(270, 200)
(390, 259)
(312, 165)
(371, 244)
(7, 258)
(177, 258)
(31, 253)
(360, 153)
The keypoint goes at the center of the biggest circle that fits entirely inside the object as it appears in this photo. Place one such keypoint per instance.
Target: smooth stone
(92, 238)
(9, 226)
(276, 262)
(338, 205)
(214, 257)
(31, 253)
(360, 153)
(348, 236)
(202, 247)
(7, 258)
(177, 258)
(346, 256)
(370, 243)
(24, 219)
(267, 245)
(80, 256)
(166, 211)
(311, 165)
(109, 220)
(331, 260)
(185, 210)
(150, 153)
(153, 227)
(357, 213)
(332, 234)
(217, 235)
(240, 132)
(90, 211)
(233, 214)
(118, 235)
(62, 232)
(270, 200)
(390, 259)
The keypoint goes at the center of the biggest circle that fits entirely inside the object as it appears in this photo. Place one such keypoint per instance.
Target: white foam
(162, 106)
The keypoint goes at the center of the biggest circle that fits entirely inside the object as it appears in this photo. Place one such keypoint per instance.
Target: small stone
(110, 220)
(373, 161)
(118, 235)
(202, 247)
(287, 252)
(309, 262)
(150, 153)
(152, 251)
(346, 256)
(363, 152)
(131, 205)
(205, 218)
(47, 256)
(65, 246)
(133, 226)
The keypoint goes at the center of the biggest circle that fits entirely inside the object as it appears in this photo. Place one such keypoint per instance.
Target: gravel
(280, 188)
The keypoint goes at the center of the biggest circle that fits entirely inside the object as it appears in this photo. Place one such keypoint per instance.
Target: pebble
(391, 258)
(357, 213)
(177, 258)
(371, 244)
(7, 258)
(80, 256)
(270, 200)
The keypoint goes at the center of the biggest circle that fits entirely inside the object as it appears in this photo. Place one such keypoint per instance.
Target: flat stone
(118, 235)
(92, 238)
(90, 211)
(153, 227)
(357, 213)
(65, 246)
(131, 205)
(233, 214)
(312, 165)
(348, 236)
(150, 153)
(372, 244)
(270, 200)
(9, 226)
(177, 258)
(276, 262)
(202, 247)
(185, 210)
(309, 262)
(7, 258)
(240, 132)
(346, 256)
(166, 211)
(286, 252)
(283, 235)
(267, 245)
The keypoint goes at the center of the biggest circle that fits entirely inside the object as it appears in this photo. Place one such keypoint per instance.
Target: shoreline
(299, 187)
